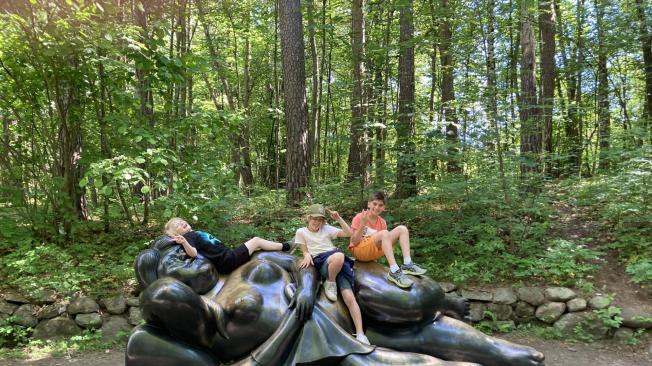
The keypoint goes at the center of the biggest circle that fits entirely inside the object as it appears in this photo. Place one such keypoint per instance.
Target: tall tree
(646, 45)
(529, 106)
(547, 35)
(294, 90)
(357, 162)
(603, 87)
(315, 105)
(406, 177)
(448, 86)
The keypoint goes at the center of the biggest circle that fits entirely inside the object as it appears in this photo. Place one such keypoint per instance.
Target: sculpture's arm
(166, 258)
(306, 280)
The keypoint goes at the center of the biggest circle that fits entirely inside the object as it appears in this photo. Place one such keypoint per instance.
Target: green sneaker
(399, 279)
(413, 269)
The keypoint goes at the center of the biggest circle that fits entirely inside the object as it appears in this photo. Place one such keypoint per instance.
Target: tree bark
(529, 107)
(603, 89)
(294, 88)
(646, 45)
(448, 88)
(406, 177)
(357, 161)
(547, 34)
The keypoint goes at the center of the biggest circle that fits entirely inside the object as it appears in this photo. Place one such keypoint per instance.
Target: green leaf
(145, 189)
(83, 182)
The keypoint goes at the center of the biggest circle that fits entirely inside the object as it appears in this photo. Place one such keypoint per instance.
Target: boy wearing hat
(335, 268)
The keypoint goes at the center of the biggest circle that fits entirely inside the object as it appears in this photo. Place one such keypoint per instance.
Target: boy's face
(376, 207)
(315, 223)
(183, 227)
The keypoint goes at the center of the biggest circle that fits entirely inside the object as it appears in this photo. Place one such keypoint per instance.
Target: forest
(482, 119)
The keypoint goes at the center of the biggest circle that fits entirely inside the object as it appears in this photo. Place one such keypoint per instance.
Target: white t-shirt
(319, 242)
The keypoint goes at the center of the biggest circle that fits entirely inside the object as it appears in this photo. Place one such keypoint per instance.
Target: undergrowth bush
(623, 200)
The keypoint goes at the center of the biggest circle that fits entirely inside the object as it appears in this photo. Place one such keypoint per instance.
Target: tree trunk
(529, 108)
(603, 89)
(448, 88)
(492, 99)
(144, 88)
(406, 177)
(547, 34)
(314, 100)
(646, 43)
(357, 161)
(294, 89)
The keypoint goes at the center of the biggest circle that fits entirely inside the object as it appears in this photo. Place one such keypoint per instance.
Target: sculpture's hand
(304, 301)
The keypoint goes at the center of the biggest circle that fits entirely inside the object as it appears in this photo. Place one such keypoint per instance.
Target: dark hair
(379, 195)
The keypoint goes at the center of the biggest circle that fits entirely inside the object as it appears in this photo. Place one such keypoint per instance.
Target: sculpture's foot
(457, 307)
(149, 346)
(388, 357)
(513, 354)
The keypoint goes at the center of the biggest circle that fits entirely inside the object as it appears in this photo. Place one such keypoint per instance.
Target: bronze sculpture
(269, 312)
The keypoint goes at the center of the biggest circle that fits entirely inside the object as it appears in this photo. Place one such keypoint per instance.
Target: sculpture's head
(166, 258)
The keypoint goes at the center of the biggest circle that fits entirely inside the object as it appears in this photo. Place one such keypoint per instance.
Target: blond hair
(172, 225)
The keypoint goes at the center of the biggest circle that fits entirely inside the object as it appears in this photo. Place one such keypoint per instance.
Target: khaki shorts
(367, 250)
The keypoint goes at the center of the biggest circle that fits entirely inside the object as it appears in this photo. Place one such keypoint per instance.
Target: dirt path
(557, 353)
(603, 353)
(574, 224)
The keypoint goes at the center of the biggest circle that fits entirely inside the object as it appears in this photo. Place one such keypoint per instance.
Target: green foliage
(492, 325)
(89, 341)
(12, 334)
(623, 200)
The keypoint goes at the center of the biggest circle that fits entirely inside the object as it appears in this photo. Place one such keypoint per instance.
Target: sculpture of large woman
(270, 312)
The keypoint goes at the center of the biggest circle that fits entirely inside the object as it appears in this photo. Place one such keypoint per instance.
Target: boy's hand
(364, 219)
(180, 239)
(334, 214)
(306, 261)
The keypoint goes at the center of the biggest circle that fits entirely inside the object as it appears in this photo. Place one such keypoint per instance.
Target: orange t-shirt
(370, 229)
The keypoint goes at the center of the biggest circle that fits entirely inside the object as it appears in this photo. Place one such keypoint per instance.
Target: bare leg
(402, 235)
(335, 263)
(354, 309)
(384, 241)
(257, 243)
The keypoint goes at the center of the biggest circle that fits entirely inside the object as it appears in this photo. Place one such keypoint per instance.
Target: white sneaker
(362, 339)
(330, 289)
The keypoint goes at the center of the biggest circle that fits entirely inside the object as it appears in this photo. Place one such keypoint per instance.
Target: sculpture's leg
(452, 339)
(171, 305)
(149, 346)
(387, 357)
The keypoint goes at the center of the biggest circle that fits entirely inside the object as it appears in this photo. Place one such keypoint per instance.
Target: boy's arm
(307, 258)
(190, 250)
(345, 231)
(358, 225)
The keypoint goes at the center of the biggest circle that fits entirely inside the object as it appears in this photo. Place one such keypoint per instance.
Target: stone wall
(52, 318)
(559, 307)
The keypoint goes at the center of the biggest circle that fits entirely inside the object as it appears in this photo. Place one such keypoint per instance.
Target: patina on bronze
(270, 312)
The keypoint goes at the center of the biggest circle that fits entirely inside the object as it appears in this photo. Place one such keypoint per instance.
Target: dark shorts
(234, 259)
(341, 280)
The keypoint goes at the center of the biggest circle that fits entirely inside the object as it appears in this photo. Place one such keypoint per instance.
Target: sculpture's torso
(254, 301)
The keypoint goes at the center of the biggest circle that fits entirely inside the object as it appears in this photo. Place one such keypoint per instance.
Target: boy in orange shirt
(371, 240)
